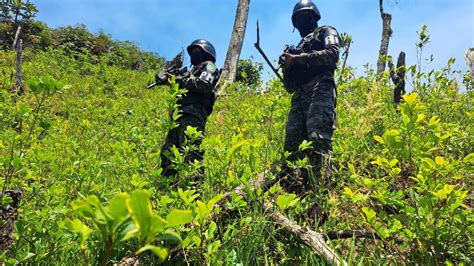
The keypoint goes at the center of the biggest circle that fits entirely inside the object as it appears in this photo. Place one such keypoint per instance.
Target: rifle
(257, 45)
(173, 67)
(290, 49)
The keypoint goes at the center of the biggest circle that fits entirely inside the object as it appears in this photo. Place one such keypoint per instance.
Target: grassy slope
(106, 132)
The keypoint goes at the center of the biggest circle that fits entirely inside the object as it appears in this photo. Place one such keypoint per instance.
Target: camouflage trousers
(312, 117)
(177, 137)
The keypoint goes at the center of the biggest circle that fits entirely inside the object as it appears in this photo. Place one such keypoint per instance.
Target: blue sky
(165, 26)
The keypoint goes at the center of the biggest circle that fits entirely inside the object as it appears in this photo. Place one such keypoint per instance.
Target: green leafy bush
(83, 144)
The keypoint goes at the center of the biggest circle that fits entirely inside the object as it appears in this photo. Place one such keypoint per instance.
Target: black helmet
(206, 46)
(305, 5)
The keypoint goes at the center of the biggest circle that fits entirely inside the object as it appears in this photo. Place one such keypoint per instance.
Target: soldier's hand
(168, 75)
(289, 60)
(160, 79)
(180, 80)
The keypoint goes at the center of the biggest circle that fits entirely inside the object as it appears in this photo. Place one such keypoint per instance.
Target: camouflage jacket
(316, 59)
(200, 83)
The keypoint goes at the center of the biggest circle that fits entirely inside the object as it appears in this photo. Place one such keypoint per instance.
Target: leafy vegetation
(249, 73)
(83, 145)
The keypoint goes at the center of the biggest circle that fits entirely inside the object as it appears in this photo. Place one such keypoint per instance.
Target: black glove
(161, 78)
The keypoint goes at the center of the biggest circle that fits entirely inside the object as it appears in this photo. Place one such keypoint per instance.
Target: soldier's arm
(202, 82)
(327, 57)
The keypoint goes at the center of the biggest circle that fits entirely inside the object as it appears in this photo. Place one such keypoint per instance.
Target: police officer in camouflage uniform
(308, 71)
(195, 106)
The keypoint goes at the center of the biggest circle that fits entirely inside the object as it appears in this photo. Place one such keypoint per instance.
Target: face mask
(197, 58)
(305, 23)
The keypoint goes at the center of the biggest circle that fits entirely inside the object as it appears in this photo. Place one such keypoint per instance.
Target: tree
(17, 10)
(386, 34)
(346, 41)
(229, 70)
(15, 18)
(5, 15)
(249, 72)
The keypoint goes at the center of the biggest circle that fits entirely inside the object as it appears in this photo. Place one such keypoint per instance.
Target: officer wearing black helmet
(308, 71)
(195, 106)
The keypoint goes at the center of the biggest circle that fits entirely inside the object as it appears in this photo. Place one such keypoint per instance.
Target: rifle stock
(173, 67)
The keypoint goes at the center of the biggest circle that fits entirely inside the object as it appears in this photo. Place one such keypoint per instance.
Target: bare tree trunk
(17, 34)
(398, 77)
(18, 86)
(229, 70)
(386, 34)
(470, 60)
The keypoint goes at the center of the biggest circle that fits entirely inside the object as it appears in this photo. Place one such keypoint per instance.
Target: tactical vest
(303, 74)
(204, 100)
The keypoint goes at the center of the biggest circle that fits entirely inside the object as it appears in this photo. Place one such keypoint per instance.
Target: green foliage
(83, 144)
(346, 41)
(286, 201)
(76, 41)
(17, 11)
(249, 73)
(128, 217)
(430, 210)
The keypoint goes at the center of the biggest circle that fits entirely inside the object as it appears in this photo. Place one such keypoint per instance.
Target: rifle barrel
(151, 85)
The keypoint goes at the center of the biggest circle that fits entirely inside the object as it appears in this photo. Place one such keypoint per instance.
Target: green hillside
(82, 144)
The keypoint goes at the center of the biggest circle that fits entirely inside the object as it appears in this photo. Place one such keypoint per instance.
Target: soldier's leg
(321, 125)
(177, 137)
(198, 153)
(173, 138)
(295, 127)
(295, 134)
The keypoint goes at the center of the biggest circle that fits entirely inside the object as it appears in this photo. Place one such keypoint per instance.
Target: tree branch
(315, 241)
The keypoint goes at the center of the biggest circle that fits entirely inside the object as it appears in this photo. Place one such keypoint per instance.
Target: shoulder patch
(332, 31)
(329, 30)
(211, 68)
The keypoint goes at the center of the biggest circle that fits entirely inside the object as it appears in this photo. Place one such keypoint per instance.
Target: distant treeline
(75, 39)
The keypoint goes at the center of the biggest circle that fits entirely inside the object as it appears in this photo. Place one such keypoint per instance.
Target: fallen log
(315, 241)
(261, 181)
(343, 234)
(331, 235)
